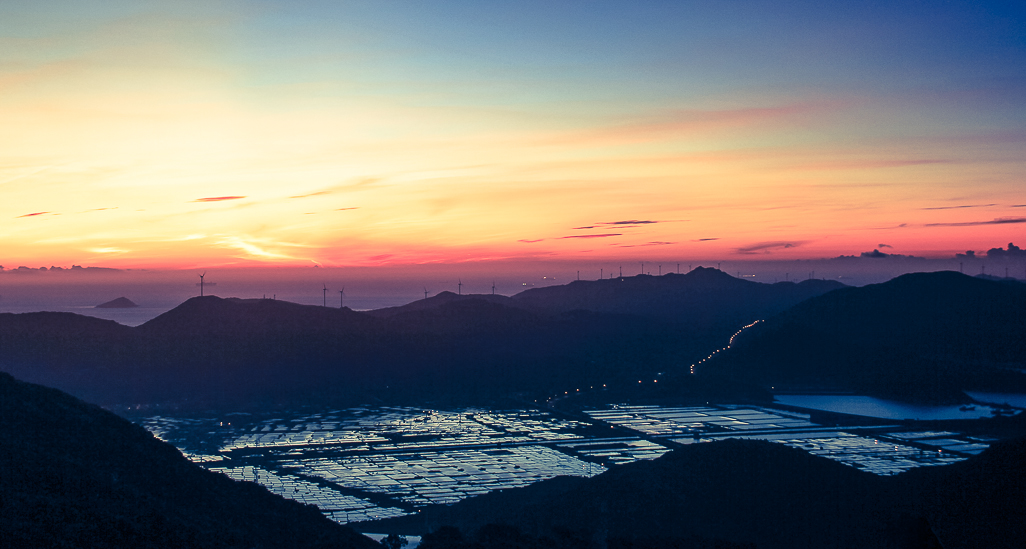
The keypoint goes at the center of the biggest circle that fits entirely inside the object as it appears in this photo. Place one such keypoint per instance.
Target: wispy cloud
(258, 247)
(884, 246)
(592, 235)
(869, 164)
(530, 241)
(218, 198)
(645, 244)
(619, 224)
(705, 239)
(344, 209)
(960, 207)
(766, 247)
(359, 183)
(998, 221)
(32, 214)
(630, 222)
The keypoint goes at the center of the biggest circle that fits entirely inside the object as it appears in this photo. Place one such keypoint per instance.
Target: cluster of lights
(712, 354)
(729, 344)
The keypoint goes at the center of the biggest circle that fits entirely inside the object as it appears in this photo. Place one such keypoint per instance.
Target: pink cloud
(218, 198)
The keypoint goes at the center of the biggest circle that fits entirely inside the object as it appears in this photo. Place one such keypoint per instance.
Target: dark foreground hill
(746, 494)
(73, 475)
(742, 492)
(921, 336)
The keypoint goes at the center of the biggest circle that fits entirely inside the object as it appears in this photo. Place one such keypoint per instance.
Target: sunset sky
(214, 133)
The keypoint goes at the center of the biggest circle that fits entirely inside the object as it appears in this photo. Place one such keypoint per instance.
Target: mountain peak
(119, 303)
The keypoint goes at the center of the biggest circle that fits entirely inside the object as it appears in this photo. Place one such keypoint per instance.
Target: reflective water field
(376, 462)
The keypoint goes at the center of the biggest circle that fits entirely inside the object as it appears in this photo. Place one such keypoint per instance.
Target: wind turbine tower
(325, 294)
(459, 287)
(201, 282)
(493, 287)
(341, 297)
(425, 293)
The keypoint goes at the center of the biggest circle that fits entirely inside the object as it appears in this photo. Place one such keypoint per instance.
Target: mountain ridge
(917, 334)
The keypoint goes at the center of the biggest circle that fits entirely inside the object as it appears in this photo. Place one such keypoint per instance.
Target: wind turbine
(493, 283)
(425, 292)
(325, 294)
(201, 282)
(341, 297)
(460, 286)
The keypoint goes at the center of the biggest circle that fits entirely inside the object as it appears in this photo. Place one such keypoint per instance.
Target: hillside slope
(921, 336)
(73, 475)
(740, 493)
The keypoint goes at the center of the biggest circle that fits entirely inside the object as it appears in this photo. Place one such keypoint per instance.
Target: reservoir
(883, 409)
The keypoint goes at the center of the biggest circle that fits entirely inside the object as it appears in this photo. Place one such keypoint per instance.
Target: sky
(230, 134)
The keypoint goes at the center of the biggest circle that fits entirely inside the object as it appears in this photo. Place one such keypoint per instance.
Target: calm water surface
(880, 408)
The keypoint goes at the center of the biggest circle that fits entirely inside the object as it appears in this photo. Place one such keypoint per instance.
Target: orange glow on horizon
(141, 140)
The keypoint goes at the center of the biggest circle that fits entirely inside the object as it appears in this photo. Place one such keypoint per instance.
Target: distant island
(119, 303)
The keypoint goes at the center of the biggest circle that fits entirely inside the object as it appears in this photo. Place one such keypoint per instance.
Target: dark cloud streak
(960, 207)
(998, 221)
(592, 235)
(765, 247)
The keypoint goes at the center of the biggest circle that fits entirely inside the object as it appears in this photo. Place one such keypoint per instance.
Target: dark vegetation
(922, 337)
(73, 475)
(258, 353)
(736, 493)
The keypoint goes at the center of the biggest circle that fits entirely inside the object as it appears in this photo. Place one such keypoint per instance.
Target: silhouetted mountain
(751, 493)
(703, 298)
(1006, 279)
(922, 336)
(254, 353)
(974, 503)
(259, 352)
(211, 315)
(73, 475)
(119, 303)
(62, 349)
(435, 301)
